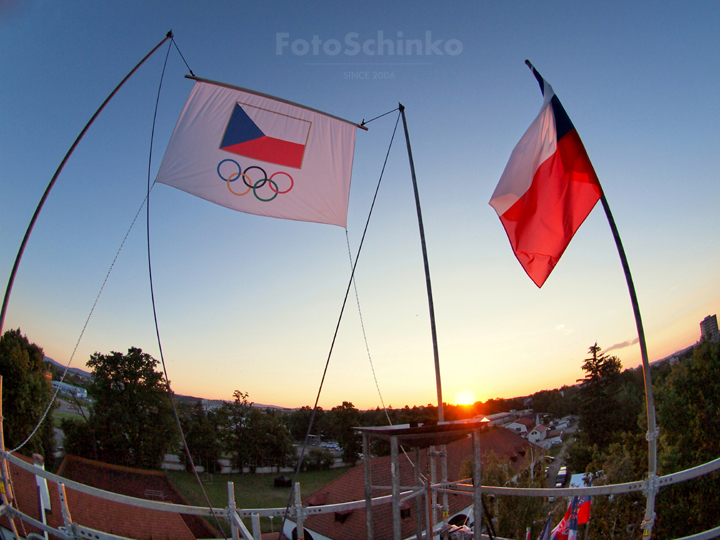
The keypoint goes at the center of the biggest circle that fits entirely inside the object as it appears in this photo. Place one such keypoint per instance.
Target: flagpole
(11, 281)
(441, 414)
(653, 431)
(433, 331)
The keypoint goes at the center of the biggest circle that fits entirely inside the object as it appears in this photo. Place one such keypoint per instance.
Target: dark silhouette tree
(26, 393)
(201, 434)
(131, 421)
(688, 405)
(254, 437)
(598, 405)
(345, 417)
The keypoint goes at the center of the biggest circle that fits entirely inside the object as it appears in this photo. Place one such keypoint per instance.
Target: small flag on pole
(547, 190)
(261, 155)
(562, 529)
(546, 533)
(584, 510)
(573, 525)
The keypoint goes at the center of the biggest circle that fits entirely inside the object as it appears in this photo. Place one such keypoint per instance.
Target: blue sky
(250, 303)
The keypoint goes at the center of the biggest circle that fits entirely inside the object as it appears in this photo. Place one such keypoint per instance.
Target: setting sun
(465, 398)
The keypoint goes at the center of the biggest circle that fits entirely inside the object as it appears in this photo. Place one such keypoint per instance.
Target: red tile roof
(527, 422)
(351, 486)
(108, 516)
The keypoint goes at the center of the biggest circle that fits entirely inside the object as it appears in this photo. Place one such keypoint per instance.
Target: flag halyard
(547, 189)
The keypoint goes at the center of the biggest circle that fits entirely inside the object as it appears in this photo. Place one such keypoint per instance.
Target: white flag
(260, 155)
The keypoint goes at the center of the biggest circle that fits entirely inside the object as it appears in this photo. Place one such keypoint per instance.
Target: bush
(318, 459)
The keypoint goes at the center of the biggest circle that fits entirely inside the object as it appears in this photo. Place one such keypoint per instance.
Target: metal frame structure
(75, 531)
(417, 437)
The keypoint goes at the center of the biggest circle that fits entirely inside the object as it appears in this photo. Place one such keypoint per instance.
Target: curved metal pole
(652, 434)
(11, 281)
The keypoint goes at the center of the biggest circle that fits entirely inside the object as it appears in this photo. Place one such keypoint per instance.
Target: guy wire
(337, 328)
(152, 296)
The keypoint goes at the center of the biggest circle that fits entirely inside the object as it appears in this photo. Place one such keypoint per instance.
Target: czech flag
(244, 135)
(547, 190)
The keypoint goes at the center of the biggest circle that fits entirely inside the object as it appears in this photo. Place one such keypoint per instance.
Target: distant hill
(212, 403)
(61, 367)
(674, 355)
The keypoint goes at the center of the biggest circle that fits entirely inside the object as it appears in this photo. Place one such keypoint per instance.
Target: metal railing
(74, 531)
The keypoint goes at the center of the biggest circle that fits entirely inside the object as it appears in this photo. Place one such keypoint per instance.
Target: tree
(254, 437)
(600, 369)
(131, 420)
(26, 393)
(201, 434)
(688, 405)
(619, 515)
(234, 421)
(598, 405)
(345, 417)
(275, 444)
(299, 420)
(318, 459)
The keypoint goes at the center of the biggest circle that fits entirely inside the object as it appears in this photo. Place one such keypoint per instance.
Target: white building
(69, 389)
(538, 434)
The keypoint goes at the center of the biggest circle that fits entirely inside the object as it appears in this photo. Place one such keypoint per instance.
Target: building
(70, 390)
(103, 514)
(351, 525)
(538, 434)
(709, 329)
(521, 426)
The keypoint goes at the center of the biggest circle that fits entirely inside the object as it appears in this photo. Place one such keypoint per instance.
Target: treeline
(612, 441)
(129, 418)
(131, 422)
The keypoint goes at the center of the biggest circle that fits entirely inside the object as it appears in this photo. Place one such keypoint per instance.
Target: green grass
(251, 490)
(60, 416)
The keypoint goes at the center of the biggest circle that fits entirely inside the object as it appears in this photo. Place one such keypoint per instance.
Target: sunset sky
(251, 303)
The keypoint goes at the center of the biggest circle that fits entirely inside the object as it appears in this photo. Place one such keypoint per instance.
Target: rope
(364, 123)
(337, 328)
(362, 325)
(152, 296)
(6, 299)
(102, 287)
(82, 333)
(367, 348)
(181, 56)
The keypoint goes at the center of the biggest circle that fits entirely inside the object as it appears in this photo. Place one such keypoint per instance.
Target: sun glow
(465, 398)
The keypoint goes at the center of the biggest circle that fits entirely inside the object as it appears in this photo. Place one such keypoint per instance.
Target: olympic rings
(292, 182)
(254, 185)
(232, 178)
(260, 183)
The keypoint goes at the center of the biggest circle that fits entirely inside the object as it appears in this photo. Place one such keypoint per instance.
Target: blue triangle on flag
(240, 128)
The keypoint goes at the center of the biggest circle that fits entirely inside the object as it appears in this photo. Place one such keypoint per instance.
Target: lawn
(59, 416)
(251, 490)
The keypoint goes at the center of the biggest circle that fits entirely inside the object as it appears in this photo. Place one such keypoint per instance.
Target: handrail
(459, 488)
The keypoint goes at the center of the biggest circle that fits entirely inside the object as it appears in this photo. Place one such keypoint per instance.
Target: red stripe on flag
(271, 150)
(542, 222)
(584, 512)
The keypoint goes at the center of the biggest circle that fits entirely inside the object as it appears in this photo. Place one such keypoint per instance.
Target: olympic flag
(547, 190)
(261, 155)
